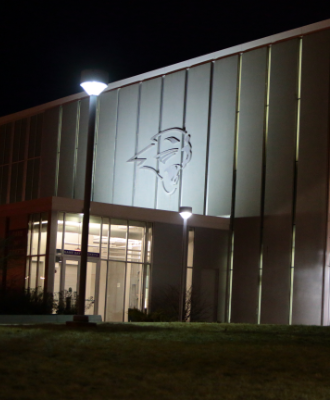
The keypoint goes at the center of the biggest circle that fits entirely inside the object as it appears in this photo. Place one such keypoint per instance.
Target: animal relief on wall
(167, 155)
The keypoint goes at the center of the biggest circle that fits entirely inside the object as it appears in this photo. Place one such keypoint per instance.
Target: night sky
(46, 44)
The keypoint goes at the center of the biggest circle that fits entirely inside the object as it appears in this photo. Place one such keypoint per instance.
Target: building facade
(241, 136)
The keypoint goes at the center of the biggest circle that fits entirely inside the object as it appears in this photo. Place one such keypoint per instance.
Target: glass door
(69, 283)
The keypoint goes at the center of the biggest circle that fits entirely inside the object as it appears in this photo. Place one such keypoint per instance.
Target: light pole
(185, 213)
(93, 82)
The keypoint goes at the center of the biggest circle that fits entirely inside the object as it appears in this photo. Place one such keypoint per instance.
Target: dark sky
(46, 44)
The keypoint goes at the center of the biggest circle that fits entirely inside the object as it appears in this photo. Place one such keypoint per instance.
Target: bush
(30, 302)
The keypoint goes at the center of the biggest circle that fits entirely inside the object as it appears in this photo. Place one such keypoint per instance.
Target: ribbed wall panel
(106, 142)
(222, 137)
(279, 182)
(312, 185)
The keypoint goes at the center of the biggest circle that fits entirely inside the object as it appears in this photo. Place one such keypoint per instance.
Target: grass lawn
(165, 361)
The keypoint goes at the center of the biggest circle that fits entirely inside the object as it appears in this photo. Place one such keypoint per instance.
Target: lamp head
(94, 81)
(185, 212)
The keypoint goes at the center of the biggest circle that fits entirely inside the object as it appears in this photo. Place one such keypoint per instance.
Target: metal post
(87, 201)
(183, 272)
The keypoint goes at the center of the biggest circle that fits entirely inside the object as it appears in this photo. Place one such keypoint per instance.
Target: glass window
(59, 236)
(133, 287)
(73, 231)
(146, 279)
(115, 291)
(41, 273)
(35, 234)
(149, 242)
(27, 272)
(94, 232)
(102, 288)
(105, 238)
(135, 245)
(33, 273)
(43, 233)
(118, 239)
(190, 257)
(90, 288)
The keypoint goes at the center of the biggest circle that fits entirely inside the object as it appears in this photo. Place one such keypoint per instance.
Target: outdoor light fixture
(185, 212)
(94, 81)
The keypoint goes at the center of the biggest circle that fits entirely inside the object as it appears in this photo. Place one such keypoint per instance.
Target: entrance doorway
(66, 283)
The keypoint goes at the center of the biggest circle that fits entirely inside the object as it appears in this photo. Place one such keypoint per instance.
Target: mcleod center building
(240, 135)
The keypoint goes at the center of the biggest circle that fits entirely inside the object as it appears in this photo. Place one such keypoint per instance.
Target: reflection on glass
(59, 236)
(57, 276)
(90, 288)
(135, 245)
(118, 239)
(133, 287)
(190, 257)
(73, 230)
(105, 238)
(35, 234)
(29, 237)
(146, 287)
(102, 289)
(71, 277)
(33, 272)
(149, 242)
(27, 273)
(94, 232)
(115, 291)
(41, 273)
(43, 233)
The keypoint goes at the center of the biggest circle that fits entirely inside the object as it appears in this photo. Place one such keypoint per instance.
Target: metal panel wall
(126, 145)
(197, 110)
(279, 181)
(167, 259)
(49, 152)
(67, 150)
(312, 184)
(146, 180)
(172, 116)
(222, 137)
(211, 253)
(79, 183)
(248, 187)
(106, 140)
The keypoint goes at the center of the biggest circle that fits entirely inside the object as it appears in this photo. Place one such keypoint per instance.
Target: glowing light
(93, 87)
(185, 212)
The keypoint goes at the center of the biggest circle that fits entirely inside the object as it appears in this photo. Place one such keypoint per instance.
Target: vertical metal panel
(19, 140)
(67, 150)
(104, 166)
(4, 184)
(5, 141)
(146, 180)
(167, 259)
(19, 184)
(246, 270)
(49, 152)
(248, 187)
(250, 139)
(125, 145)
(172, 116)
(222, 137)
(197, 110)
(13, 182)
(312, 184)
(35, 135)
(79, 183)
(36, 177)
(277, 240)
(211, 252)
